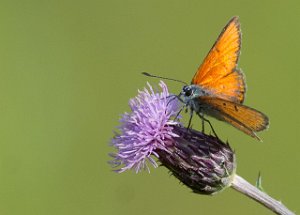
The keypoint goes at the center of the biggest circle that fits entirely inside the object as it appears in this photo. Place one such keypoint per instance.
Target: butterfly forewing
(218, 73)
(240, 116)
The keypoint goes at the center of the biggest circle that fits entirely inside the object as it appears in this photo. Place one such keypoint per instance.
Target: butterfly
(218, 87)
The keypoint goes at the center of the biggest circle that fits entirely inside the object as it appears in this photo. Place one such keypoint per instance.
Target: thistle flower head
(202, 162)
(146, 128)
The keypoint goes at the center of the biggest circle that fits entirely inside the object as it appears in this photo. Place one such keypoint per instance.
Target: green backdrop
(68, 68)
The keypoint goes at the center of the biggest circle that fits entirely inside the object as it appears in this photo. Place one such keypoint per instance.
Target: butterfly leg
(201, 115)
(190, 120)
(171, 98)
(206, 120)
(178, 113)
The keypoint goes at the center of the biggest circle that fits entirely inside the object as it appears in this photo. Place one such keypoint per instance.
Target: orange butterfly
(218, 87)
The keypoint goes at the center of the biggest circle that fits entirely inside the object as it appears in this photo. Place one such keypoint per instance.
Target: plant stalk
(253, 192)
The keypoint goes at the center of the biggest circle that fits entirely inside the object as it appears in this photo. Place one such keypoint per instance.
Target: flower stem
(253, 192)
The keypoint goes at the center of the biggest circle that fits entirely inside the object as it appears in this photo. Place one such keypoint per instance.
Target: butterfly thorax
(191, 93)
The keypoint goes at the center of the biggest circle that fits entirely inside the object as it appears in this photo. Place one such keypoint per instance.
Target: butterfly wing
(240, 116)
(218, 73)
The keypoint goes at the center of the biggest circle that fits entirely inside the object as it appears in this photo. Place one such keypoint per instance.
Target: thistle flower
(145, 129)
(202, 162)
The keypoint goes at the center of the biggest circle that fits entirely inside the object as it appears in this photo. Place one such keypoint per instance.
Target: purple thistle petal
(146, 128)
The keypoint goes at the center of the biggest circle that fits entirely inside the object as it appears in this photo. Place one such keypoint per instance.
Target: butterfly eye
(188, 92)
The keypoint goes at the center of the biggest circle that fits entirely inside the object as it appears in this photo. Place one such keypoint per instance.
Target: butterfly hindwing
(240, 116)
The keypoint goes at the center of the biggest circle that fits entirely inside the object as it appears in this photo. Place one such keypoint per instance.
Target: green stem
(253, 192)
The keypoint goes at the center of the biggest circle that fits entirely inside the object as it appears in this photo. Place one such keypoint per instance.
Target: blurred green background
(68, 68)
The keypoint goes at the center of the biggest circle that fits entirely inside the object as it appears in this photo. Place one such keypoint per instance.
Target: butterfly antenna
(155, 76)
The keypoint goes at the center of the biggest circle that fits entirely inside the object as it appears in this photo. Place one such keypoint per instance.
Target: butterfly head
(190, 92)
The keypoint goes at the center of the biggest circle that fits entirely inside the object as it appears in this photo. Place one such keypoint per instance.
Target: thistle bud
(202, 162)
